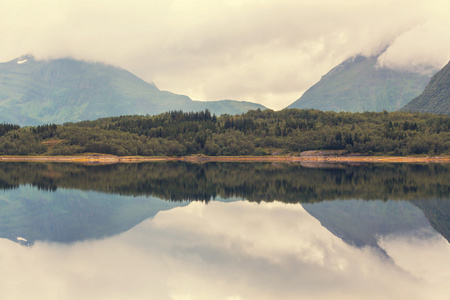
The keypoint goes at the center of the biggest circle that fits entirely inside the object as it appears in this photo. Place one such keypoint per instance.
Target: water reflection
(361, 223)
(78, 202)
(66, 215)
(237, 250)
(253, 181)
(125, 231)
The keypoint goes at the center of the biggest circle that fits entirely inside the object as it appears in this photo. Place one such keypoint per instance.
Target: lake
(234, 231)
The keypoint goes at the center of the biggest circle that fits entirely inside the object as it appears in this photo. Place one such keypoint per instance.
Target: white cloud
(421, 48)
(264, 51)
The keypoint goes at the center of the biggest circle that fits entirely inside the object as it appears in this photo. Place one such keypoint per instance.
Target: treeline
(257, 132)
(4, 128)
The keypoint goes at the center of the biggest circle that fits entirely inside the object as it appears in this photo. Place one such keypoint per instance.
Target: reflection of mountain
(361, 223)
(438, 214)
(69, 206)
(70, 215)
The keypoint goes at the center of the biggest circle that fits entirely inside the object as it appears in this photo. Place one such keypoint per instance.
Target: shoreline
(111, 159)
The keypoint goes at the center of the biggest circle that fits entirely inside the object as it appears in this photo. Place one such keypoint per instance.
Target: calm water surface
(224, 231)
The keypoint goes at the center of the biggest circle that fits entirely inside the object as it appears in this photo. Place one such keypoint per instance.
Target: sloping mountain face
(65, 90)
(436, 96)
(358, 85)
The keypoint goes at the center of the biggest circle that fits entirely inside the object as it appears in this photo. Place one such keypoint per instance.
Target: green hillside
(64, 90)
(358, 85)
(436, 96)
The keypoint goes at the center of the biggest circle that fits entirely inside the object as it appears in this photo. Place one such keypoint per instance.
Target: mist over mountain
(65, 90)
(359, 84)
(436, 96)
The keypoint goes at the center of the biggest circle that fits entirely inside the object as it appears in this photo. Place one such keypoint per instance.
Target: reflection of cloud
(429, 260)
(235, 250)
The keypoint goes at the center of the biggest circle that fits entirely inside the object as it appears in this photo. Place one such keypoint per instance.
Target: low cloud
(422, 49)
(263, 51)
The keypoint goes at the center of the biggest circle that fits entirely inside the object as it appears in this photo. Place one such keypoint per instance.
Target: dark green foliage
(254, 133)
(4, 128)
(436, 96)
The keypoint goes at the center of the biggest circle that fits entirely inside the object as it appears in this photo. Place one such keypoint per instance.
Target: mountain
(358, 84)
(436, 96)
(65, 90)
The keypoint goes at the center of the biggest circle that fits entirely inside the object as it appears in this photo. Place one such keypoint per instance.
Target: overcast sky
(265, 51)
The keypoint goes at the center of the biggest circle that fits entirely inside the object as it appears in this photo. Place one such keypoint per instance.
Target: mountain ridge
(435, 98)
(359, 84)
(34, 92)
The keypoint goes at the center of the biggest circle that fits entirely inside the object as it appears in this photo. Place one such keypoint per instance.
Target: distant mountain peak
(63, 90)
(23, 59)
(360, 84)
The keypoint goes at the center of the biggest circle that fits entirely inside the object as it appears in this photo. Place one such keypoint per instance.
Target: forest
(257, 132)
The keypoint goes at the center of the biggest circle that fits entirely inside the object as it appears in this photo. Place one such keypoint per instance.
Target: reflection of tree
(254, 181)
